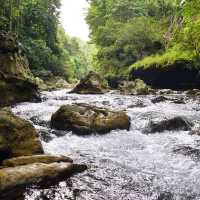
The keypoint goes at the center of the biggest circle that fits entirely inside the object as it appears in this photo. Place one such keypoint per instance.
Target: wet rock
(165, 196)
(18, 137)
(165, 92)
(35, 173)
(174, 124)
(138, 104)
(163, 99)
(91, 84)
(37, 121)
(105, 103)
(194, 132)
(45, 135)
(179, 101)
(136, 87)
(16, 80)
(159, 99)
(86, 119)
(188, 151)
(193, 92)
(25, 160)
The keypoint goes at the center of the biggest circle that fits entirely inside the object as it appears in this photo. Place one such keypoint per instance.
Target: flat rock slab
(35, 173)
(24, 160)
(85, 119)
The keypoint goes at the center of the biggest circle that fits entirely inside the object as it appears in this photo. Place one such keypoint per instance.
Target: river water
(122, 165)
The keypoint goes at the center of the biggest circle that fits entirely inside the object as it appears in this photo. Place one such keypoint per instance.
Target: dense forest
(48, 48)
(141, 33)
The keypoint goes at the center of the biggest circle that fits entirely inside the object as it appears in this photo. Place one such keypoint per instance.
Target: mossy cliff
(171, 70)
(16, 80)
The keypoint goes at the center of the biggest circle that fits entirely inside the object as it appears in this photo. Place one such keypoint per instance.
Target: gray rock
(174, 124)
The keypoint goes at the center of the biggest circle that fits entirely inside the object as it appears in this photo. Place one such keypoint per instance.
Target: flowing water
(123, 165)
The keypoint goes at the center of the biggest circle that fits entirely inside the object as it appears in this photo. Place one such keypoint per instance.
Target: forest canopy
(131, 33)
(47, 46)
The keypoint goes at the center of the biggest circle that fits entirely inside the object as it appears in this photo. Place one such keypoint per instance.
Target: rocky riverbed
(123, 164)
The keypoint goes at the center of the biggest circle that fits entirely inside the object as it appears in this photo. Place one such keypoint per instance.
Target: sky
(72, 18)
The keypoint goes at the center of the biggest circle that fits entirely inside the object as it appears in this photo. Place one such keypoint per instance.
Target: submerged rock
(35, 173)
(194, 153)
(91, 84)
(16, 80)
(85, 119)
(25, 160)
(160, 99)
(18, 137)
(174, 124)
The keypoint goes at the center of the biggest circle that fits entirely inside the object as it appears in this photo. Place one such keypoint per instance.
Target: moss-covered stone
(136, 87)
(85, 119)
(91, 84)
(18, 137)
(16, 80)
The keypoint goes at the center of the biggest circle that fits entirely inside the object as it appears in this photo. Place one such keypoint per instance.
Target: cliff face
(16, 80)
(181, 75)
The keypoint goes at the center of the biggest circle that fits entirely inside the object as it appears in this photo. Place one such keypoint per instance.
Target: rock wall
(16, 80)
(179, 76)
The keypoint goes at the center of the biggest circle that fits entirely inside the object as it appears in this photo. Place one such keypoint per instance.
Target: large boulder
(18, 137)
(174, 124)
(85, 119)
(91, 84)
(16, 80)
(136, 87)
(47, 81)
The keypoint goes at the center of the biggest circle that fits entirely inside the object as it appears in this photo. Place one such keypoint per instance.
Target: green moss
(163, 60)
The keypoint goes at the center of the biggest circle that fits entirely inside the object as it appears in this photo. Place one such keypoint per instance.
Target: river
(122, 165)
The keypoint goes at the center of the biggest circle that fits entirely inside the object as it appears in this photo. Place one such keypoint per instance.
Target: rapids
(123, 165)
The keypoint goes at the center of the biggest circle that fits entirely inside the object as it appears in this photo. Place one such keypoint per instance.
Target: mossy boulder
(16, 80)
(91, 84)
(85, 119)
(18, 137)
(136, 87)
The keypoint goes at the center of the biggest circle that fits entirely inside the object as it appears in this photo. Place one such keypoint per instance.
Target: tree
(125, 30)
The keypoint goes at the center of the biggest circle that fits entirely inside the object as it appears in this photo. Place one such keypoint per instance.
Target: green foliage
(45, 43)
(185, 44)
(125, 31)
(144, 33)
(163, 60)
